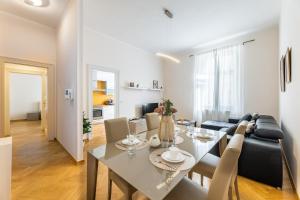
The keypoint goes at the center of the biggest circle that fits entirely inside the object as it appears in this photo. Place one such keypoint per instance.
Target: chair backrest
(241, 129)
(222, 177)
(152, 120)
(116, 129)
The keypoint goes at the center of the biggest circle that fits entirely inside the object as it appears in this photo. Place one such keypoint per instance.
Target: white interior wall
(25, 95)
(260, 63)
(24, 39)
(289, 101)
(133, 64)
(69, 121)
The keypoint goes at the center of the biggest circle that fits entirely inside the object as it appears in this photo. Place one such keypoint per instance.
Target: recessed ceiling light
(37, 3)
(168, 57)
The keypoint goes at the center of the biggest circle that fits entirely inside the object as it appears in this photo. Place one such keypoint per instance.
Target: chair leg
(190, 175)
(236, 188)
(230, 193)
(109, 189)
(129, 193)
(202, 177)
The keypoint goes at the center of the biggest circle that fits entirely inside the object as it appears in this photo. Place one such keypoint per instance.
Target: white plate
(167, 157)
(126, 141)
(204, 135)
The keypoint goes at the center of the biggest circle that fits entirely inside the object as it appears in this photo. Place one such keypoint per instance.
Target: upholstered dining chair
(208, 164)
(218, 190)
(117, 129)
(152, 120)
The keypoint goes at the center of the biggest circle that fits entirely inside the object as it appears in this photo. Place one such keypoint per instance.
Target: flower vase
(166, 130)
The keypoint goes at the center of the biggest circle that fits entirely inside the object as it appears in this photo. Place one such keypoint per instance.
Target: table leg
(92, 172)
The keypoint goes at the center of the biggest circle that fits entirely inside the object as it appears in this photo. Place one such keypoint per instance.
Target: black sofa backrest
(267, 127)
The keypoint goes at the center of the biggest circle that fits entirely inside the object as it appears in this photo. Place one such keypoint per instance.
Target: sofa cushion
(231, 130)
(268, 130)
(216, 125)
(266, 120)
(246, 117)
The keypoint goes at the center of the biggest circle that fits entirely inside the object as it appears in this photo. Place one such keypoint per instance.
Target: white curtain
(230, 80)
(218, 82)
(204, 78)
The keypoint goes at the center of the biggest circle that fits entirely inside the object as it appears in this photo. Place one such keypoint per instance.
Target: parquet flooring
(43, 170)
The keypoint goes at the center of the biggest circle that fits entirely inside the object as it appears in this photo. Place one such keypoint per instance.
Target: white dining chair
(152, 120)
(117, 129)
(218, 190)
(208, 164)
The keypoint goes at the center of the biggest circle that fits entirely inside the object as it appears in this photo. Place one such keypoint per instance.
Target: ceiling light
(37, 3)
(168, 57)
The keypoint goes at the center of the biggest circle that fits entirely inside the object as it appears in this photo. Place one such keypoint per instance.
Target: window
(217, 82)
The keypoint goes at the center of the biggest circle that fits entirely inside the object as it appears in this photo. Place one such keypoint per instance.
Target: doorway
(103, 94)
(25, 96)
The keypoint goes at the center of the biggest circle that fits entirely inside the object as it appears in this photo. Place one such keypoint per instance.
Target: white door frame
(4, 99)
(90, 88)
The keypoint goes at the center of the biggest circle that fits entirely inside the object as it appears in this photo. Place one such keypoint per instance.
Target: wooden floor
(43, 170)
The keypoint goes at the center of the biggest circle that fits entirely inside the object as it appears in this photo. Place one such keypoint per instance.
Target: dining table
(138, 170)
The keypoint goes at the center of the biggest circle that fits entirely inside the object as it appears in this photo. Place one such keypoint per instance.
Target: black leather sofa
(261, 157)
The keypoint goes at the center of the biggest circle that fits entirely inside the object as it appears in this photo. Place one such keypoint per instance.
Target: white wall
(289, 101)
(133, 64)
(24, 39)
(25, 95)
(69, 122)
(260, 63)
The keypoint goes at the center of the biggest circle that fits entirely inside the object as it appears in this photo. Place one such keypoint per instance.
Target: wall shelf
(142, 88)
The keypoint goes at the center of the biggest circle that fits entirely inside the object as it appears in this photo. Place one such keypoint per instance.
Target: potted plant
(87, 128)
(166, 128)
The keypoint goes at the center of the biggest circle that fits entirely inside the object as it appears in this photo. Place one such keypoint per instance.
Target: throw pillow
(255, 116)
(231, 130)
(250, 128)
(246, 117)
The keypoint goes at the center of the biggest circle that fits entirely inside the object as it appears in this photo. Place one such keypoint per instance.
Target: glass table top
(138, 171)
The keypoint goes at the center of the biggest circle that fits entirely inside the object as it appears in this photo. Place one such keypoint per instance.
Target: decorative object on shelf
(288, 65)
(137, 85)
(166, 128)
(131, 84)
(155, 84)
(87, 128)
(282, 74)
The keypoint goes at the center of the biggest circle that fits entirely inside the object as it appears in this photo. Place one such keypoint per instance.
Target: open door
(46, 71)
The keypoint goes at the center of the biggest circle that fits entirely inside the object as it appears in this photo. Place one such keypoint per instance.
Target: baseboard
(18, 120)
(288, 169)
(75, 161)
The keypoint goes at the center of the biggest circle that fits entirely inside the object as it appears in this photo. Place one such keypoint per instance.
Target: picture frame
(288, 65)
(155, 84)
(282, 74)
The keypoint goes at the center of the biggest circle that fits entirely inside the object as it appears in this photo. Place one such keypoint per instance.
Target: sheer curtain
(204, 78)
(230, 80)
(218, 82)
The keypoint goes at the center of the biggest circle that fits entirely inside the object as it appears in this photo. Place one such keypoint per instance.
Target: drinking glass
(190, 130)
(131, 147)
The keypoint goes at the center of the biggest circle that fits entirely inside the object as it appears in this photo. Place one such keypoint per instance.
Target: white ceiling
(141, 22)
(49, 15)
